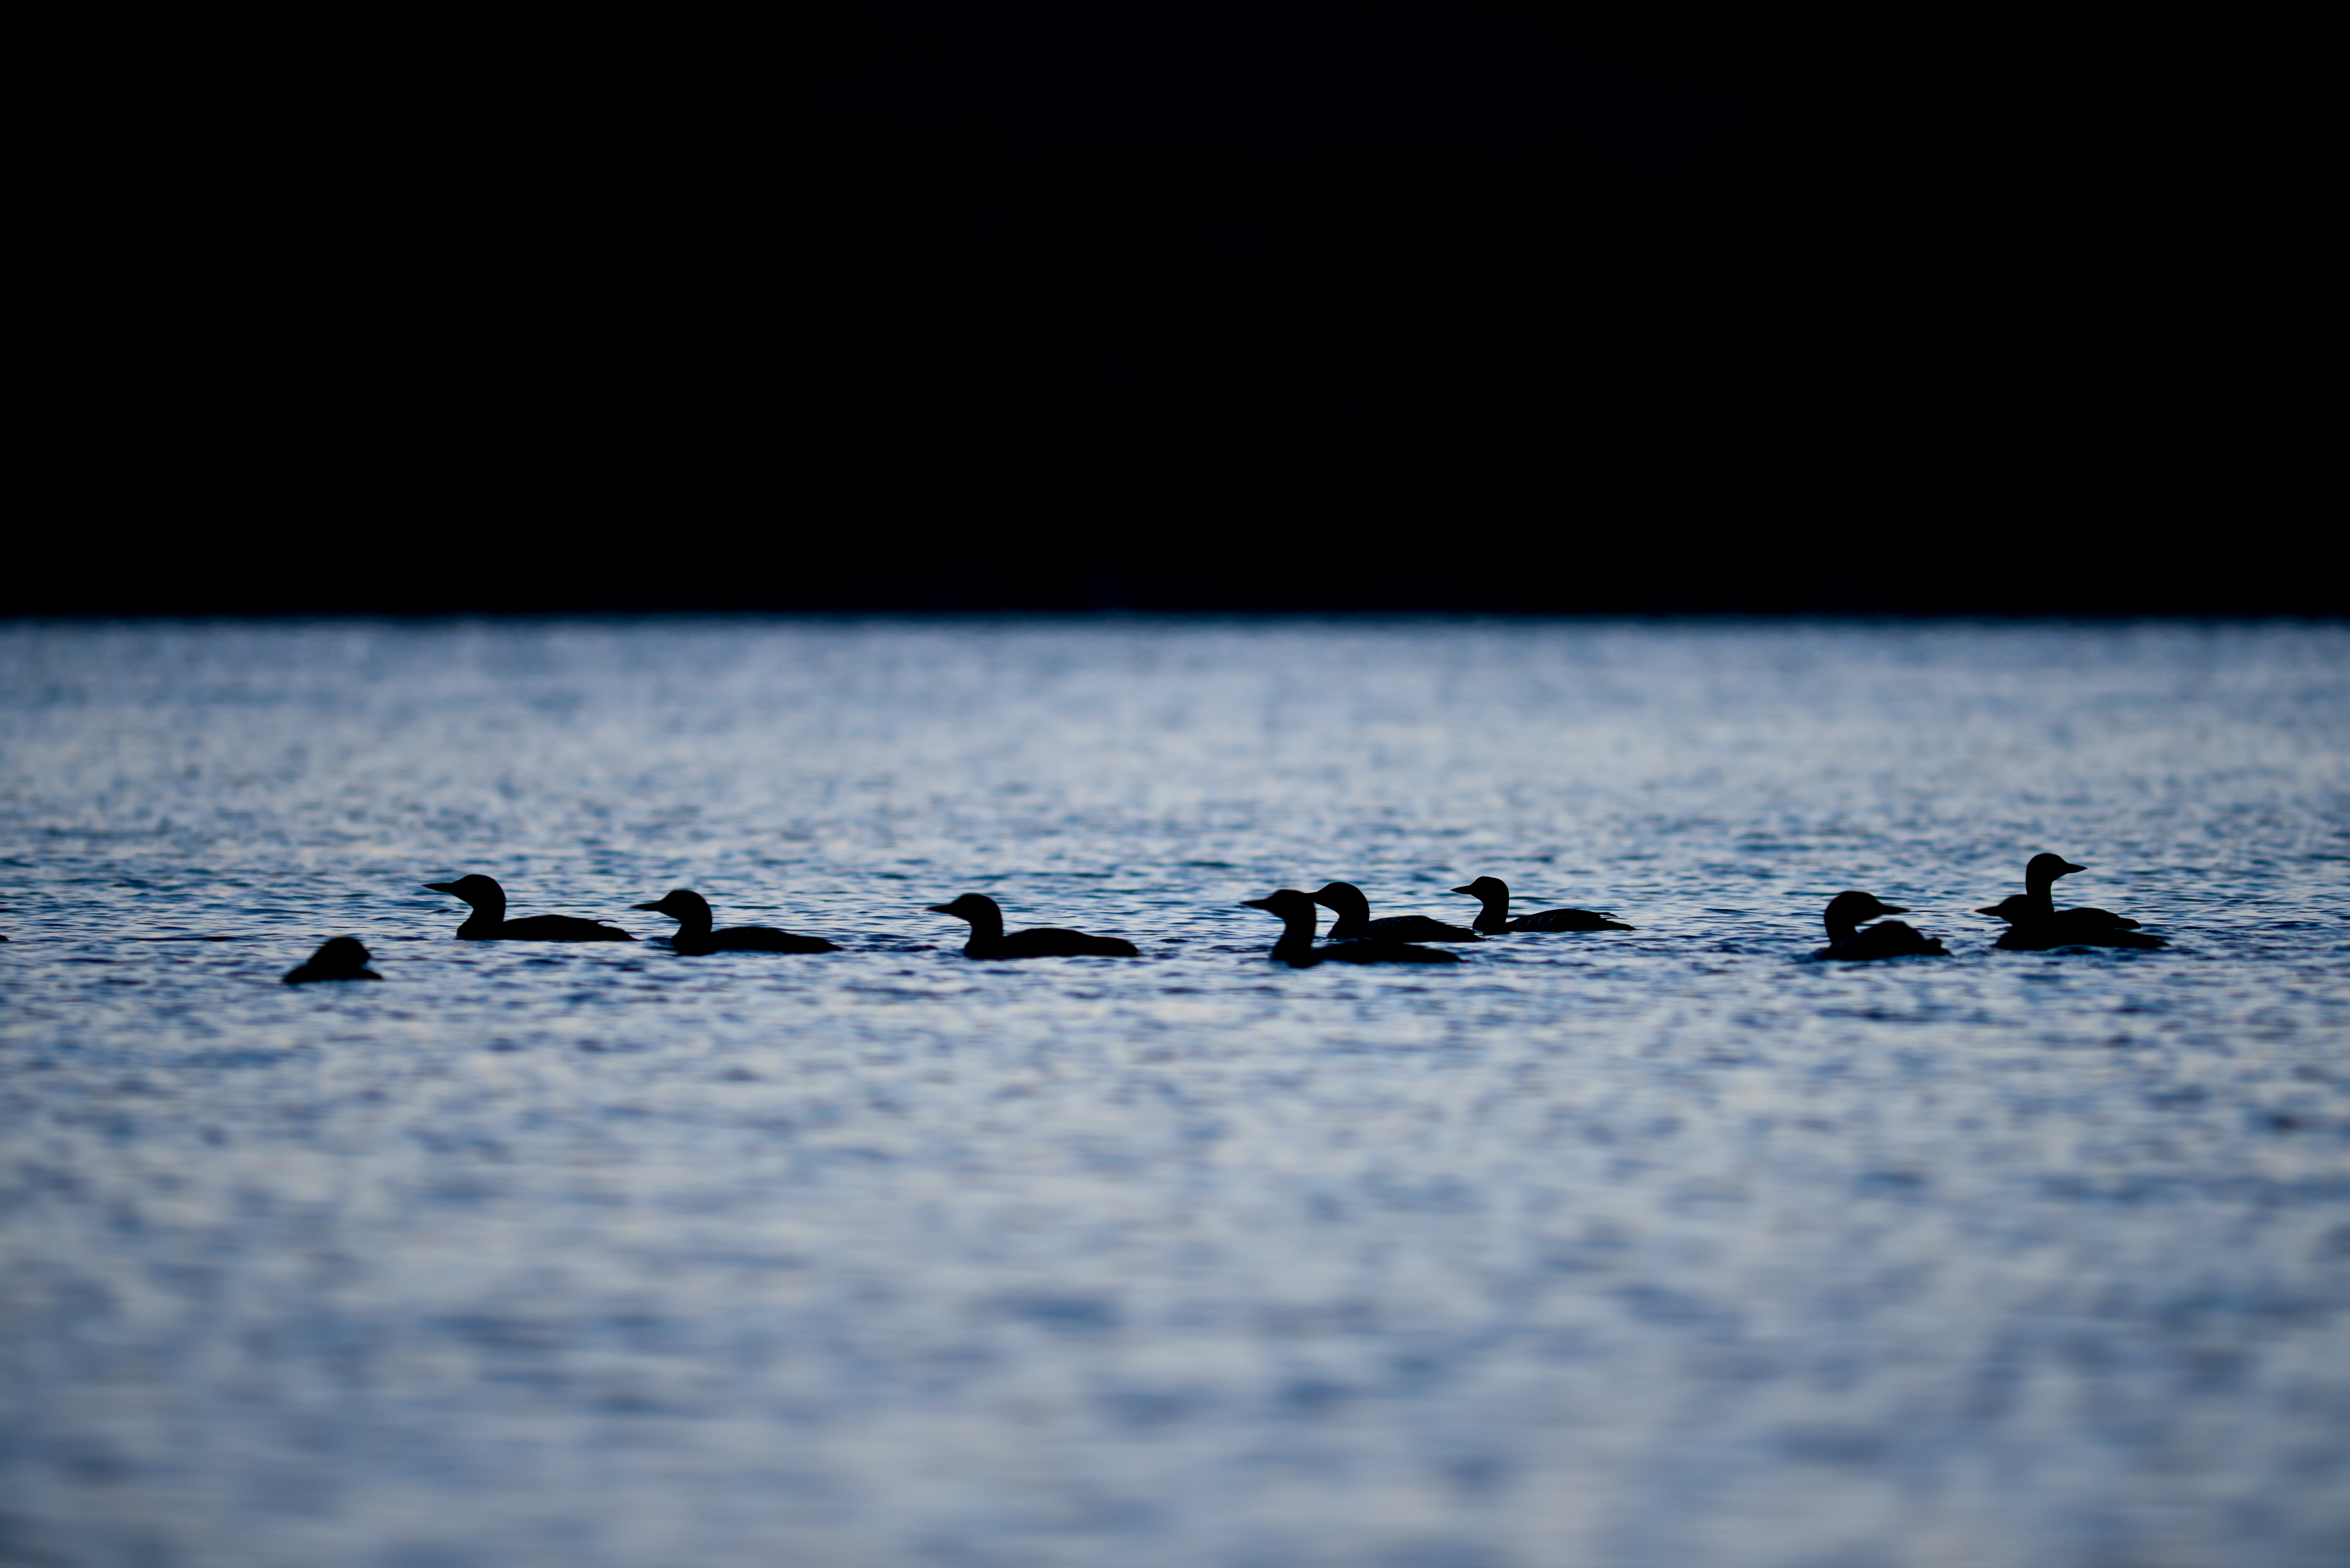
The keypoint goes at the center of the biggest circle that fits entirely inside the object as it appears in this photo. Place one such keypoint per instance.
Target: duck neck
(489, 915)
(2040, 888)
(1296, 934)
(986, 932)
(1495, 915)
(1840, 926)
(692, 924)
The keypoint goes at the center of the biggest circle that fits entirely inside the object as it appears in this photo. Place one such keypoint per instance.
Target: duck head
(1293, 909)
(2044, 869)
(1287, 903)
(477, 890)
(1343, 899)
(1486, 888)
(1847, 910)
(680, 904)
(977, 908)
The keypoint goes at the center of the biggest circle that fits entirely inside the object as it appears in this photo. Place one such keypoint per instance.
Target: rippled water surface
(1659, 1247)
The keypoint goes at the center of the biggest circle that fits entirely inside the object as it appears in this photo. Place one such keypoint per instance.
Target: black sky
(1185, 306)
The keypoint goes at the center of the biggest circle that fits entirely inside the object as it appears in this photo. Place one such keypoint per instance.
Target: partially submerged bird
(988, 940)
(488, 921)
(1495, 894)
(1849, 941)
(1345, 900)
(2034, 923)
(691, 910)
(338, 958)
(1296, 947)
(2029, 930)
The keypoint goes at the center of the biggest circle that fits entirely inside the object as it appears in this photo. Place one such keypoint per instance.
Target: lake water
(1637, 1249)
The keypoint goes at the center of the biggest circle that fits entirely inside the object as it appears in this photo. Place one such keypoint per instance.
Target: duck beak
(1891, 910)
(654, 907)
(1992, 911)
(1464, 889)
(2070, 869)
(1255, 903)
(940, 909)
(441, 887)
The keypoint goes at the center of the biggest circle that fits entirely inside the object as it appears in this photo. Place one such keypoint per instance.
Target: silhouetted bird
(1889, 938)
(1296, 947)
(338, 958)
(2035, 924)
(692, 913)
(2029, 930)
(488, 921)
(988, 940)
(1345, 900)
(1495, 916)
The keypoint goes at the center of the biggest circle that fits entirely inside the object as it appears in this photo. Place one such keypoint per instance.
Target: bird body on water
(988, 940)
(1494, 916)
(2034, 923)
(1295, 946)
(1850, 942)
(1345, 900)
(338, 958)
(2029, 930)
(488, 921)
(691, 910)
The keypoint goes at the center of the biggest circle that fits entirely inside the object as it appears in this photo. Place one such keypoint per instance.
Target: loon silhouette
(2029, 930)
(1494, 893)
(691, 910)
(988, 940)
(488, 921)
(2035, 924)
(1889, 938)
(1296, 947)
(1354, 912)
(338, 958)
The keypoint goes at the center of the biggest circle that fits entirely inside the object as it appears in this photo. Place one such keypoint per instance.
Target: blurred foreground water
(1635, 1251)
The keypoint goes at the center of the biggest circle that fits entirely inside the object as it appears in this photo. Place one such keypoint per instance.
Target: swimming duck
(1495, 916)
(1345, 900)
(1296, 947)
(2029, 930)
(2035, 924)
(692, 913)
(338, 958)
(988, 940)
(1890, 939)
(488, 921)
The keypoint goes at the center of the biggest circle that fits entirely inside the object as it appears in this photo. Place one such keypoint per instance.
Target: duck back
(550, 928)
(1566, 920)
(750, 939)
(1379, 950)
(1051, 942)
(1887, 939)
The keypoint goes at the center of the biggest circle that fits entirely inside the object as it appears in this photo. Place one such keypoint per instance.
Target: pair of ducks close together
(2034, 923)
(1355, 937)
